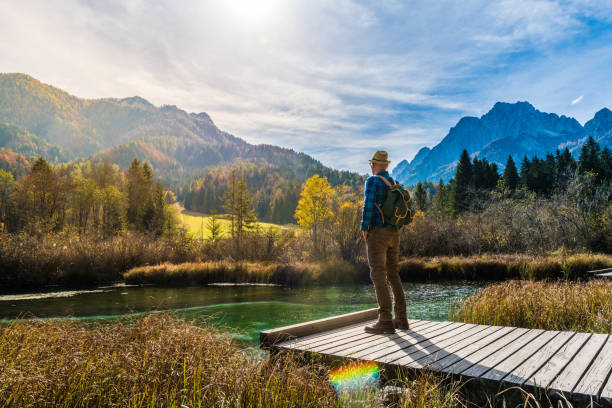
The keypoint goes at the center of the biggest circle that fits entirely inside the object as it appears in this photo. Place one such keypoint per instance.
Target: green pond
(240, 310)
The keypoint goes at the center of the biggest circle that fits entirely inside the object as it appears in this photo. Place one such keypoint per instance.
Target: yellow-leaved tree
(315, 205)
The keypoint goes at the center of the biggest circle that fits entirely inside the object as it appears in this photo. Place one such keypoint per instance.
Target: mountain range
(516, 129)
(37, 119)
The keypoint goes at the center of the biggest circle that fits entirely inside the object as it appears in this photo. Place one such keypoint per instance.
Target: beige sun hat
(380, 157)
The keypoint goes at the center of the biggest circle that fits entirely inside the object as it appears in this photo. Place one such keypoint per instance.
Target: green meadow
(198, 224)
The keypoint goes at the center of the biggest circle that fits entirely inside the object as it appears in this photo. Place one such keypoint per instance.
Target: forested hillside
(40, 120)
(275, 189)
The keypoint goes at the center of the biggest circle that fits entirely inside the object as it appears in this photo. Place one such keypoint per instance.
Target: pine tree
(589, 157)
(237, 203)
(463, 184)
(230, 202)
(565, 166)
(245, 216)
(547, 176)
(511, 177)
(214, 226)
(492, 176)
(420, 196)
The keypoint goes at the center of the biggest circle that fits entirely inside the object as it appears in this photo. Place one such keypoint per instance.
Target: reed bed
(331, 271)
(159, 360)
(501, 267)
(156, 361)
(28, 261)
(559, 305)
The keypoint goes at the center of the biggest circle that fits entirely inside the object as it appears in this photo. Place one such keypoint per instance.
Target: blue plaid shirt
(375, 192)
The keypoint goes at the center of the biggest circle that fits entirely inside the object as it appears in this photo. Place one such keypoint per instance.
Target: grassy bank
(501, 267)
(560, 305)
(486, 267)
(332, 271)
(161, 361)
(28, 261)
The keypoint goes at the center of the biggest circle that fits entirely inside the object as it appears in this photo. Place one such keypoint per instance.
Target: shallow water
(242, 311)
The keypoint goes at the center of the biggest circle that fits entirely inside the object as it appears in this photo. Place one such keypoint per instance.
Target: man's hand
(365, 235)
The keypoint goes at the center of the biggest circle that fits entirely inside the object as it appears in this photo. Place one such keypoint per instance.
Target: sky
(335, 79)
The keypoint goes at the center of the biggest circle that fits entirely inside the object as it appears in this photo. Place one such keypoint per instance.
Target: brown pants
(383, 256)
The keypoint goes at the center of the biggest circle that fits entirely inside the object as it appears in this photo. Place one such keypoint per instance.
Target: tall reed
(560, 305)
(299, 273)
(501, 267)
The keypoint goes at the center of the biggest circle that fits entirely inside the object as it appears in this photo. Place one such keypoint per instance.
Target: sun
(256, 11)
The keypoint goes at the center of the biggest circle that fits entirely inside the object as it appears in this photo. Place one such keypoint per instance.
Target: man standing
(382, 243)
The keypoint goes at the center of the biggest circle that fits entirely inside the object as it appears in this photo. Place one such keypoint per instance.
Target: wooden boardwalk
(576, 366)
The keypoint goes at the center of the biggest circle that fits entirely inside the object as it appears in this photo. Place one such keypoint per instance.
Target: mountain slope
(50, 122)
(516, 129)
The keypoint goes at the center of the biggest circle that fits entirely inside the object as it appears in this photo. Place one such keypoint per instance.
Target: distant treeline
(275, 189)
(87, 198)
(475, 179)
(548, 204)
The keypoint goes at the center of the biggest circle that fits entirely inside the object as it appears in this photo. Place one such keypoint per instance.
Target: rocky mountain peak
(515, 129)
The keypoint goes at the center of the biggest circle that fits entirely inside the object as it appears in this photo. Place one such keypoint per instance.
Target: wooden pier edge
(268, 338)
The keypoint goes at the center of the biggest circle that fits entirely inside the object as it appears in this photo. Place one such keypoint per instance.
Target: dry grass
(561, 305)
(160, 361)
(157, 361)
(500, 267)
(331, 271)
(69, 259)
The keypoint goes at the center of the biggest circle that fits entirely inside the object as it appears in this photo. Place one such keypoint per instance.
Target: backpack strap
(387, 182)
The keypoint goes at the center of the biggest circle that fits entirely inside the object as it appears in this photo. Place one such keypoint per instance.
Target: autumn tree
(315, 205)
(7, 184)
(39, 199)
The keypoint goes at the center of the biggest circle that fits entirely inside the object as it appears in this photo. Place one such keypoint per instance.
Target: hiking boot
(381, 327)
(401, 323)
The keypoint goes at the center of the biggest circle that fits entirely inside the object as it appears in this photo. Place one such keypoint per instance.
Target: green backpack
(397, 208)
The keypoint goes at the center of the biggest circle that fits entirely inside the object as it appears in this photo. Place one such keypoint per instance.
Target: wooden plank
(370, 340)
(428, 357)
(359, 335)
(605, 275)
(412, 347)
(484, 352)
(529, 367)
(601, 270)
(470, 348)
(503, 353)
(268, 338)
(606, 393)
(502, 369)
(547, 373)
(392, 347)
(573, 372)
(327, 337)
(385, 342)
(594, 378)
(311, 338)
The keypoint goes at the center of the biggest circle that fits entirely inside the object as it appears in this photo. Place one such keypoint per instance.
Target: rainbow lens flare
(354, 376)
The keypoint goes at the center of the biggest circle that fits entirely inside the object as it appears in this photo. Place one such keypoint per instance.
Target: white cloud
(578, 99)
(335, 75)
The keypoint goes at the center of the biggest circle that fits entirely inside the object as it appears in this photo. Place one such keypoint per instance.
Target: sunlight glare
(256, 11)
